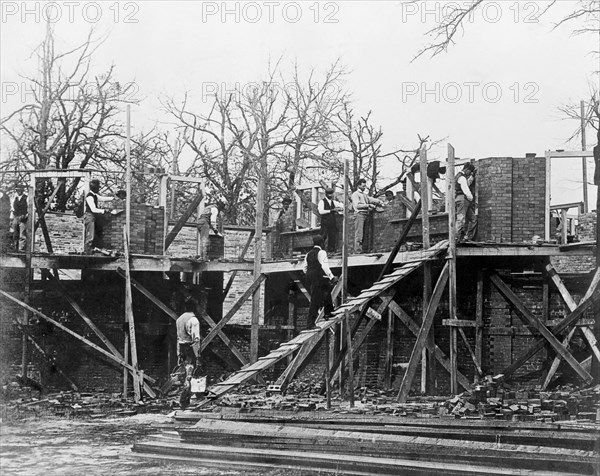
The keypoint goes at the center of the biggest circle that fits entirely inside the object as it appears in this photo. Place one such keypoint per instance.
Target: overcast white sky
(495, 93)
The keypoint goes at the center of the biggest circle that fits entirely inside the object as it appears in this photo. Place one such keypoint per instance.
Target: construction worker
(4, 221)
(328, 211)
(93, 218)
(320, 280)
(206, 222)
(188, 348)
(464, 202)
(363, 204)
(20, 213)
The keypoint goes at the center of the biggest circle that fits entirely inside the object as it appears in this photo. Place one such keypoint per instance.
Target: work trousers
(93, 232)
(466, 225)
(19, 226)
(360, 220)
(204, 238)
(329, 232)
(320, 297)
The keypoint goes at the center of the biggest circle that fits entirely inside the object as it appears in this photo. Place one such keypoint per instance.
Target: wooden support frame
(183, 219)
(241, 257)
(411, 324)
(73, 334)
(571, 305)
(532, 320)
(350, 359)
(422, 336)
(227, 317)
(451, 193)
(389, 355)
(129, 318)
(427, 377)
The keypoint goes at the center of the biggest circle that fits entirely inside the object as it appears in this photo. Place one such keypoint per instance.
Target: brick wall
(511, 198)
(585, 231)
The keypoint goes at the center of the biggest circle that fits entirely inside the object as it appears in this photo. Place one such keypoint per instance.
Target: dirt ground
(76, 447)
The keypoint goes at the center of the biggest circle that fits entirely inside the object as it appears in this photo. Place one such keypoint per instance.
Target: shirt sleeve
(321, 207)
(305, 265)
(90, 203)
(322, 257)
(355, 201)
(104, 199)
(462, 181)
(194, 329)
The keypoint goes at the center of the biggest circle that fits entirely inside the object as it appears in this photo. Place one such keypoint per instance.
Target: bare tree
(585, 12)
(72, 119)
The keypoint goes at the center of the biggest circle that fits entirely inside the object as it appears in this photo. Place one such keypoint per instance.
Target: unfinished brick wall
(511, 198)
(585, 231)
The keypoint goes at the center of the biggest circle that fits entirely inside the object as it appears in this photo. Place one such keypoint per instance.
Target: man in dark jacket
(20, 214)
(320, 280)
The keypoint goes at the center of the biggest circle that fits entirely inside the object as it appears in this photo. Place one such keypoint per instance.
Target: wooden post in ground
(479, 320)
(427, 377)
(350, 357)
(291, 321)
(389, 355)
(344, 296)
(29, 246)
(130, 319)
(328, 350)
(451, 190)
(258, 229)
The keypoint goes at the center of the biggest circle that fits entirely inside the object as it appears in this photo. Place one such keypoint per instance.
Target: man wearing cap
(320, 280)
(19, 222)
(92, 218)
(328, 210)
(362, 204)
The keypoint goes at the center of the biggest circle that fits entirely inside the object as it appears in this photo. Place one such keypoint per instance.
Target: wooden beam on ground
(422, 336)
(541, 328)
(227, 317)
(183, 219)
(241, 257)
(130, 319)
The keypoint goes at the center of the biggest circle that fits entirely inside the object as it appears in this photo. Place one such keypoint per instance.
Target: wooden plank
(535, 322)
(302, 288)
(389, 354)
(470, 351)
(460, 323)
(479, 317)
(130, 319)
(183, 219)
(350, 356)
(241, 257)
(439, 354)
(451, 206)
(227, 317)
(69, 331)
(422, 336)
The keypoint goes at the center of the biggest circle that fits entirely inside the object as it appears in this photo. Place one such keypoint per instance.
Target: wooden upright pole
(425, 375)
(29, 246)
(452, 270)
(584, 159)
(345, 235)
(260, 205)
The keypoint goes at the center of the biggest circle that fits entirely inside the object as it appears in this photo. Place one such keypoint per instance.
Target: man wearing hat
(20, 214)
(92, 218)
(328, 210)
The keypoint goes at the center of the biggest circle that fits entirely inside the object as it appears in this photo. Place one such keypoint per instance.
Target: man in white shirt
(206, 221)
(188, 336)
(320, 280)
(362, 204)
(328, 210)
(464, 200)
(92, 218)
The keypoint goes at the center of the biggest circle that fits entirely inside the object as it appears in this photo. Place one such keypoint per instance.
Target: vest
(314, 270)
(328, 218)
(457, 187)
(20, 206)
(95, 197)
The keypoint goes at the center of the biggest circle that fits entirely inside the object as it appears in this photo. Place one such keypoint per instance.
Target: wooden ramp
(310, 337)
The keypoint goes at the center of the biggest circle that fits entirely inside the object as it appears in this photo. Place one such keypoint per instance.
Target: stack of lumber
(326, 442)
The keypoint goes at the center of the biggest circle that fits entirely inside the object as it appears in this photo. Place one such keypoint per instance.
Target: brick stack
(495, 183)
(147, 230)
(529, 195)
